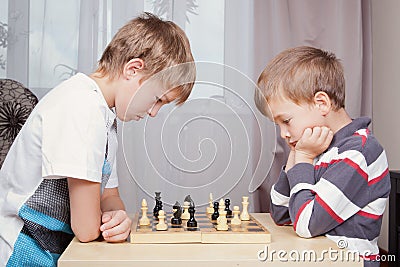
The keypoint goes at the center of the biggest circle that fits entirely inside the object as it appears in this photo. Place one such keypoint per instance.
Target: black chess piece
(192, 221)
(159, 205)
(215, 215)
(176, 220)
(227, 209)
(189, 199)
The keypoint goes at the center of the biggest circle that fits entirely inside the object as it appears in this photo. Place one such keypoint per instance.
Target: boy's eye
(286, 121)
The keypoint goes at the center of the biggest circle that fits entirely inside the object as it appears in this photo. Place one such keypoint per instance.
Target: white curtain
(217, 142)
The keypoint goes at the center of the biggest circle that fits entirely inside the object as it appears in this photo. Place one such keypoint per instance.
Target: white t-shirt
(70, 133)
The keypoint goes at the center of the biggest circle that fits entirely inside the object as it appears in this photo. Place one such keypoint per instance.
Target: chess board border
(204, 234)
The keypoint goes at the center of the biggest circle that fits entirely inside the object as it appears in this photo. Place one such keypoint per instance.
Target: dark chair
(16, 103)
(394, 217)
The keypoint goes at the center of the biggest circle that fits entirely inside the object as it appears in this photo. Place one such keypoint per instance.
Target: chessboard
(206, 232)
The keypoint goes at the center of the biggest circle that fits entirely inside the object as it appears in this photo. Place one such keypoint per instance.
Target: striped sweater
(342, 195)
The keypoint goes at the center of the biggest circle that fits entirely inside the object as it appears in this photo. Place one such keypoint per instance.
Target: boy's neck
(106, 86)
(338, 119)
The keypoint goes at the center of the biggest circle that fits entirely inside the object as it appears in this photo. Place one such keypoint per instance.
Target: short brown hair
(160, 44)
(298, 74)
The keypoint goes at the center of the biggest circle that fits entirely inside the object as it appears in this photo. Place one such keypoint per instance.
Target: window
(53, 43)
(203, 23)
(63, 38)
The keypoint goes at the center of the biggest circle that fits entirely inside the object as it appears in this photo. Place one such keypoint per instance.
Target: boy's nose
(285, 134)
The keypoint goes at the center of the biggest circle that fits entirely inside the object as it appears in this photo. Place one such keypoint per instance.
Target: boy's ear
(322, 102)
(132, 67)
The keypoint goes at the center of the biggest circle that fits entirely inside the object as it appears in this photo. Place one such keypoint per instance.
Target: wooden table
(285, 245)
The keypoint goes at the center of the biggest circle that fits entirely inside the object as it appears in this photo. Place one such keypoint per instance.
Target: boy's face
(142, 98)
(293, 119)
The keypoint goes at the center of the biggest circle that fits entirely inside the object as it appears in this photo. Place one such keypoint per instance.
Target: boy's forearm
(280, 200)
(317, 206)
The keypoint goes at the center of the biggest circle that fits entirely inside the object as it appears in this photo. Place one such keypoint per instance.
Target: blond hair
(160, 44)
(298, 74)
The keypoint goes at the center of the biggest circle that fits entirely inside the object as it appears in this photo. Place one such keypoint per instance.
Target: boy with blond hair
(335, 182)
(59, 178)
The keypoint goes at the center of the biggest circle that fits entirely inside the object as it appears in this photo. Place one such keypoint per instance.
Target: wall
(386, 85)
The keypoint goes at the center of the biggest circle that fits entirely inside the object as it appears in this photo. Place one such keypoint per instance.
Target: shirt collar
(350, 129)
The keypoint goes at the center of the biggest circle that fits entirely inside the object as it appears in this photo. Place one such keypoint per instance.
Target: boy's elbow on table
(86, 234)
(303, 231)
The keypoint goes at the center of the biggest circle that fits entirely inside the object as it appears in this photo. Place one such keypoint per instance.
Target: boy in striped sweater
(336, 179)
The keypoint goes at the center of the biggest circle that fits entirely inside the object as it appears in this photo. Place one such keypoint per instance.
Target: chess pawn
(185, 214)
(227, 209)
(215, 215)
(144, 220)
(244, 216)
(210, 208)
(222, 222)
(161, 226)
(236, 220)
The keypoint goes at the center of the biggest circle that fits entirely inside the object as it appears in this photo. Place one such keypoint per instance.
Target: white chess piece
(161, 226)
(210, 208)
(236, 220)
(221, 208)
(185, 214)
(244, 216)
(222, 222)
(144, 220)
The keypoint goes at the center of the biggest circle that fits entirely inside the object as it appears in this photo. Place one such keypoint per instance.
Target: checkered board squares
(205, 232)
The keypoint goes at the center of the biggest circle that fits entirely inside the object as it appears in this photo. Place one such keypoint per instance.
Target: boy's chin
(127, 119)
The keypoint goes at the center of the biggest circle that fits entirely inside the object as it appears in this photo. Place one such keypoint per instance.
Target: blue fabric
(107, 169)
(49, 222)
(28, 253)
